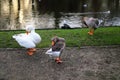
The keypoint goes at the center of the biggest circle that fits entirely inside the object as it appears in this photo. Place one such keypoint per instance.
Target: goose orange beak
(53, 43)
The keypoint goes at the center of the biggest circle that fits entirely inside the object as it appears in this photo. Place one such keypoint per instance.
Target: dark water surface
(16, 14)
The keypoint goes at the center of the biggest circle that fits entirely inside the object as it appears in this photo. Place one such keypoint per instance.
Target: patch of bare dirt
(85, 63)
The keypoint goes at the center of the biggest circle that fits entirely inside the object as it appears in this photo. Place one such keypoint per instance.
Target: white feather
(30, 40)
(53, 53)
(24, 40)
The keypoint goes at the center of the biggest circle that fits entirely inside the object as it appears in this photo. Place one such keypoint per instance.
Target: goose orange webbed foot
(31, 51)
(58, 60)
(90, 33)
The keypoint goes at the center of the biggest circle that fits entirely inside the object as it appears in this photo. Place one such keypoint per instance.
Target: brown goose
(58, 45)
(92, 23)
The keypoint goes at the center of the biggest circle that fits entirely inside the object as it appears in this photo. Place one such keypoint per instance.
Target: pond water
(46, 14)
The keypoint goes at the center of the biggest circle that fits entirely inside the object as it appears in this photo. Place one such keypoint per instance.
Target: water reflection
(44, 21)
(16, 14)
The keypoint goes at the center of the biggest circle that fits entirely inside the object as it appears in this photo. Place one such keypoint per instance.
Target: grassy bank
(73, 37)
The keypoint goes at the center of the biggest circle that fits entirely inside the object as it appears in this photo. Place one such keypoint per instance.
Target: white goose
(35, 36)
(28, 40)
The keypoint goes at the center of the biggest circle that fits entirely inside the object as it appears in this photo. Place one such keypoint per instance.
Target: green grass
(73, 37)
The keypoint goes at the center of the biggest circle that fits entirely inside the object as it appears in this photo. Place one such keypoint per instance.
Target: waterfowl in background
(58, 45)
(65, 25)
(28, 40)
(92, 23)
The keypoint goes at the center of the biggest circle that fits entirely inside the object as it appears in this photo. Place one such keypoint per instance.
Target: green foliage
(73, 37)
